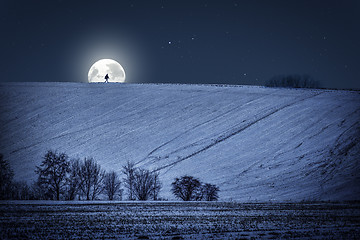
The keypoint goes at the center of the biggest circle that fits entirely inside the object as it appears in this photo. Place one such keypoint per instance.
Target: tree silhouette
(91, 178)
(129, 171)
(156, 186)
(111, 184)
(6, 176)
(143, 184)
(53, 173)
(186, 188)
(74, 181)
(209, 192)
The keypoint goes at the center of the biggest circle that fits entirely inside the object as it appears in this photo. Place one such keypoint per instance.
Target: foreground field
(178, 220)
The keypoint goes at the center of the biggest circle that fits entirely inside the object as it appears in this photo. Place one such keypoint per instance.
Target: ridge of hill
(255, 143)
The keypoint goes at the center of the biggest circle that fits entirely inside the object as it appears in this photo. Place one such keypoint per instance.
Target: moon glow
(102, 67)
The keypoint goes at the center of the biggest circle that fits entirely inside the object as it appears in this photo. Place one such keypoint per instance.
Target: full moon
(102, 67)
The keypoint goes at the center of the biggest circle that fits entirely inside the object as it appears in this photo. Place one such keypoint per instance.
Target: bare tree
(53, 172)
(98, 180)
(111, 184)
(85, 175)
(209, 192)
(156, 186)
(129, 171)
(143, 184)
(91, 178)
(74, 180)
(186, 188)
(6, 176)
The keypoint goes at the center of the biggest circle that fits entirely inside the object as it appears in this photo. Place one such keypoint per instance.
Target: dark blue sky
(230, 42)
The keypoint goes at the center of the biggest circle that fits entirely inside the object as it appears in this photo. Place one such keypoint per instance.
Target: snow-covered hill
(255, 143)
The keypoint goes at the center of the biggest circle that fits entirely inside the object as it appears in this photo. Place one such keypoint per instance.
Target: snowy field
(179, 220)
(255, 143)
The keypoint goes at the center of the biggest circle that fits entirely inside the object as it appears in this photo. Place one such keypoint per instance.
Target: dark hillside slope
(256, 143)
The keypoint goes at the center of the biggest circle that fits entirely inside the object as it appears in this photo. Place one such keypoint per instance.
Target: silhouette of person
(107, 78)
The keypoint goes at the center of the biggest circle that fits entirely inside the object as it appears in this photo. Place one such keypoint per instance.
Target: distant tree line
(292, 81)
(59, 178)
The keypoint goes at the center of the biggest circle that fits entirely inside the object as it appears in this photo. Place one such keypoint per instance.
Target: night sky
(214, 42)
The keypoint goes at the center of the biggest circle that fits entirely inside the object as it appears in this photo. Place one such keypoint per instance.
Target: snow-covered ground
(255, 143)
(179, 220)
